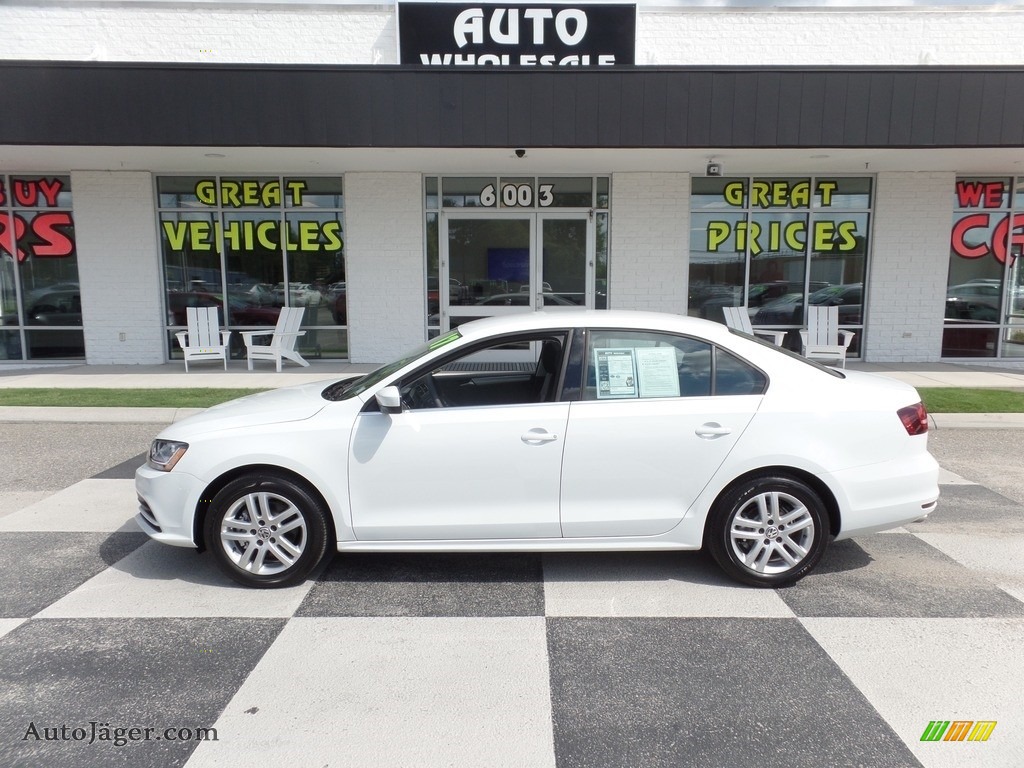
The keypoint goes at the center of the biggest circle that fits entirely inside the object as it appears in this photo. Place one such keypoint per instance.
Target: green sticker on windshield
(441, 341)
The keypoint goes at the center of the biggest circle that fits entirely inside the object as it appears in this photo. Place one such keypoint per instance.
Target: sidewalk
(172, 375)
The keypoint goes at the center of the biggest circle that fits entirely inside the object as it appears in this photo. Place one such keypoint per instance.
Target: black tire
(243, 530)
(768, 531)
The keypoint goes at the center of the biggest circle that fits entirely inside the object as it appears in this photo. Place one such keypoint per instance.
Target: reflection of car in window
(789, 309)
(56, 308)
(299, 295)
(243, 310)
(758, 295)
(523, 300)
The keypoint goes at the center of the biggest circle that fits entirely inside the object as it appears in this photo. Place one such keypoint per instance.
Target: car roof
(593, 318)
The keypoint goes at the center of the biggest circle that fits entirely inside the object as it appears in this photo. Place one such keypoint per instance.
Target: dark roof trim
(105, 104)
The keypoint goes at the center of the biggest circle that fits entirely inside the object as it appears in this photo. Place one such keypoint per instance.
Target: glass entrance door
(564, 261)
(494, 265)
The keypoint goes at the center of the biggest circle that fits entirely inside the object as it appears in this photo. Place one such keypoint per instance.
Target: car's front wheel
(266, 530)
(768, 531)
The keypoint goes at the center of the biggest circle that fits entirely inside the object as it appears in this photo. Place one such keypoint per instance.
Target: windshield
(342, 390)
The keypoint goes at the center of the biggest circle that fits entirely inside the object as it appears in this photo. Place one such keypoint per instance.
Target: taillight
(914, 418)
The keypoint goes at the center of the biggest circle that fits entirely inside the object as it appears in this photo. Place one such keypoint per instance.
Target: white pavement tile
(88, 505)
(914, 671)
(650, 584)
(161, 581)
(394, 692)
(996, 558)
(952, 478)
(14, 501)
(6, 625)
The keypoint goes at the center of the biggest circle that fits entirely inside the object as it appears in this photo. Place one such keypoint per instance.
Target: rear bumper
(883, 496)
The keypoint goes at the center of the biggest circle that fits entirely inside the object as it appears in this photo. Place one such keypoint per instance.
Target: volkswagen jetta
(569, 430)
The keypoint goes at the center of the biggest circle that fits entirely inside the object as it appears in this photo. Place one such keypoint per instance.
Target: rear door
(659, 414)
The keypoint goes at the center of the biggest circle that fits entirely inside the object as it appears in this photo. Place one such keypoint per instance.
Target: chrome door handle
(538, 436)
(712, 430)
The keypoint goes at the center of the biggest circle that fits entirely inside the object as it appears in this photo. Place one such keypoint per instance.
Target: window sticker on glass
(657, 371)
(616, 372)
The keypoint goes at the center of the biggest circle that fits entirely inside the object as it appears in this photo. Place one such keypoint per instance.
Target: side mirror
(389, 399)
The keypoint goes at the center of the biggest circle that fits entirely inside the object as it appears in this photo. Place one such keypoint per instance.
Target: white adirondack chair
(282, 339)
(739, 318)
(204, 340)
(822, 339)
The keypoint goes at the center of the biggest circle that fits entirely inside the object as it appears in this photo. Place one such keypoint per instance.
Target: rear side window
(735, 377)
(622, 365)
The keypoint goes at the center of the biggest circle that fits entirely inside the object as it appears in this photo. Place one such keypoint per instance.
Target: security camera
(520, 153)
(714, 169)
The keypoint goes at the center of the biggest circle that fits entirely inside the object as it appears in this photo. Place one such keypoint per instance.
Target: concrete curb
(11, 413)
(977, 420)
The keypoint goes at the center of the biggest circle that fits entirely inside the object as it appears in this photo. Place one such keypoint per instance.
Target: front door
(496, 264)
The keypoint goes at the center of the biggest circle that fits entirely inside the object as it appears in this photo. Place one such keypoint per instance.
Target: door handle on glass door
(537, 436)
(711, 430)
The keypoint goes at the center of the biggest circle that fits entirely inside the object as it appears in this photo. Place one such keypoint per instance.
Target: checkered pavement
(632, 659)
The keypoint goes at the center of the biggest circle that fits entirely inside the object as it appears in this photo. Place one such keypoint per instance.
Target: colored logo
(958, 730)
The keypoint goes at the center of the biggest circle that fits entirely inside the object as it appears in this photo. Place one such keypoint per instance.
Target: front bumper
(167, 505)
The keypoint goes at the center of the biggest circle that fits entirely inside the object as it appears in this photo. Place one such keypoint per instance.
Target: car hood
(273, 407)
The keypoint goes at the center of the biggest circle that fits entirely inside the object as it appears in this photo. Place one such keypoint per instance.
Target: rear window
(789, 353)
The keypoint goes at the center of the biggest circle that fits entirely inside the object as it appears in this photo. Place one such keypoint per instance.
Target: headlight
(164, 454)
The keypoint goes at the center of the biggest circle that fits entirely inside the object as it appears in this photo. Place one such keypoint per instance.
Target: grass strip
(937, 399)
(121, 398)
(970, 400)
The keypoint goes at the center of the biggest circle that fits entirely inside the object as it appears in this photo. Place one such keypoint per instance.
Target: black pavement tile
(40, 567)
(973, 509)
(122, 673)
(123, 471)
(478, 584)
(895, 575)
(707, 692)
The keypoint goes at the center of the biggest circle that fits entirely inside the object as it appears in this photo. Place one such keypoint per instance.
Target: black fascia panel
(116, 104)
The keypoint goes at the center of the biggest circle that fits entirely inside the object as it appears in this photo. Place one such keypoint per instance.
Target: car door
(659, 415)
(490, 470)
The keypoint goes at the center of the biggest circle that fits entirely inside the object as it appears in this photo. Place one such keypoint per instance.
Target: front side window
(984, 312)
(251, 245)
(630, 365)
(40, 302)
(519, 370)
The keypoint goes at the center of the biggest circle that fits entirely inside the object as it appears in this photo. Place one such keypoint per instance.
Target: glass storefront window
(459, 192)
(568, 192)
(716, 264)
(40, 302)
(251, 245)
(984, 310)
(777, 244)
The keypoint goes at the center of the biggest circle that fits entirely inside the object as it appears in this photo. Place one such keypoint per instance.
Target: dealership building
(397, 169)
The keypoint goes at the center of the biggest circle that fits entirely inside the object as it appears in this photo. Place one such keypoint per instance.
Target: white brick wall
(909, 266)
(650, 236)
(118, 267)
(346, 34)
(835, 37)
(197, 33)
(384, 264)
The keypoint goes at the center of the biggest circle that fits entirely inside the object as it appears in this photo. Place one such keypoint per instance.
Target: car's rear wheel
(266, 530)
(768, 531)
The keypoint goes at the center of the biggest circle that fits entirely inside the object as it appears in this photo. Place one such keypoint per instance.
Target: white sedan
(567, 431)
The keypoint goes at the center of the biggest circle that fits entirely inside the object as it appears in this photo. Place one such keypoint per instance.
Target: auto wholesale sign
(450, 35)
